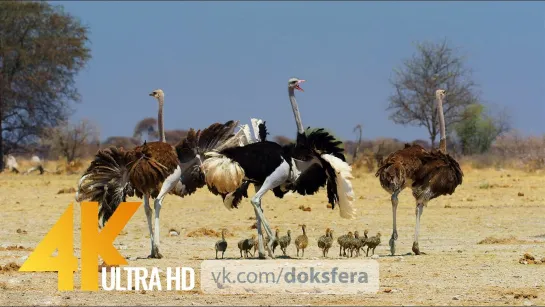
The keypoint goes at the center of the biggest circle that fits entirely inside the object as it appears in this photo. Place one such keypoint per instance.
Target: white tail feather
(344, 186)
(239, 139)
(255, 126)
(222, 173)
(228, 201)
(248, 137)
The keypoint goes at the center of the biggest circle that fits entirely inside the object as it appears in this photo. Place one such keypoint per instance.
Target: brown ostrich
(429, 174)
(151, 170)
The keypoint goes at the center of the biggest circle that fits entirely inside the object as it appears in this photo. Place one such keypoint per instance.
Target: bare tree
(69, 140)
(435, 65)
(42, 48)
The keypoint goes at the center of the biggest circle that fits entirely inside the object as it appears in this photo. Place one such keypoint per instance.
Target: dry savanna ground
(504, 209)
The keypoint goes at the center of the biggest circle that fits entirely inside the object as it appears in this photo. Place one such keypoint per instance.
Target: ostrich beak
(298, 87)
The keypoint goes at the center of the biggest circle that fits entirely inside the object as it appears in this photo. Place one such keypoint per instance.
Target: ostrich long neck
(160, 120)
(442, 133)
(296, 113)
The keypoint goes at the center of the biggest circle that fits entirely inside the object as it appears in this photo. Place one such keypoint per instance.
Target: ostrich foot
(270, 250)
(393, 246)
(416, 249)
(155, 254)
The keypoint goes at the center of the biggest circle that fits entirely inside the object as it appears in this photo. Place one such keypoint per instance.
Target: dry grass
(15, 248)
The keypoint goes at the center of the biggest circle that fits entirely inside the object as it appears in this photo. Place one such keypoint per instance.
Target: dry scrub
(207, 232)
(508, 240)
(10, 267)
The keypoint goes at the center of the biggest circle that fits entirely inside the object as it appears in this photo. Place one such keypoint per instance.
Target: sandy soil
(456, 270)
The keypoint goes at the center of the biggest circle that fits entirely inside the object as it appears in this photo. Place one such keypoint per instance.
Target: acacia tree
(42, 48)
(433, 66)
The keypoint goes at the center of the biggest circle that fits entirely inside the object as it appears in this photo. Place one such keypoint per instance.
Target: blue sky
(231, 60)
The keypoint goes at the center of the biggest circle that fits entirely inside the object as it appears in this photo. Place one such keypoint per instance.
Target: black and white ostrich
(315, 160)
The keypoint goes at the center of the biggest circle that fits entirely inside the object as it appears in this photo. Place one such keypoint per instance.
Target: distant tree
(42, 48)
(434, 66)
(478, 129)
(146, 126)
(121, 141)
(282, 140)
(69, 140)
(175, 136)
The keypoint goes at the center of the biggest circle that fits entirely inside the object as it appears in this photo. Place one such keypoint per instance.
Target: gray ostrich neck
(296, 113)
(442, 133)
(160, 120)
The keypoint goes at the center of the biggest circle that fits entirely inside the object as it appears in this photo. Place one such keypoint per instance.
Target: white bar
(290, 276)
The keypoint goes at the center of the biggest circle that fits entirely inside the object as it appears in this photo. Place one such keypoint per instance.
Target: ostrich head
(157, 94)
(440, 94)
(294, 83)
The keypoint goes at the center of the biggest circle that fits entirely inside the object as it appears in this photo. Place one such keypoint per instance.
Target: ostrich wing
(439, 172)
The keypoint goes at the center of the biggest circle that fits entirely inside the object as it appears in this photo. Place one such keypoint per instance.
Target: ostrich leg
(259, 228)
(168, 185)
(419, 210)
(394, 227)
(147, 209)
(279, 176)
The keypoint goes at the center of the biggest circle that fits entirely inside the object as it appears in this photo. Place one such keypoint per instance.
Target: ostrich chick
(372, 243)
(364, 239)
(355, 244)
(301, 242)
(246, 245)
(343, 243)
(221, 245)
(325, 242)
(284, 242)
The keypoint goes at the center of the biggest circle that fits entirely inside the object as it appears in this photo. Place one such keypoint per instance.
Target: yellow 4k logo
(93, 244)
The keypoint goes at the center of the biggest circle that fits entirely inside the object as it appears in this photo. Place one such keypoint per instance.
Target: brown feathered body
(428, 174)
(439, 175)
(116, 173)
(398, 170)
(149, 166)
